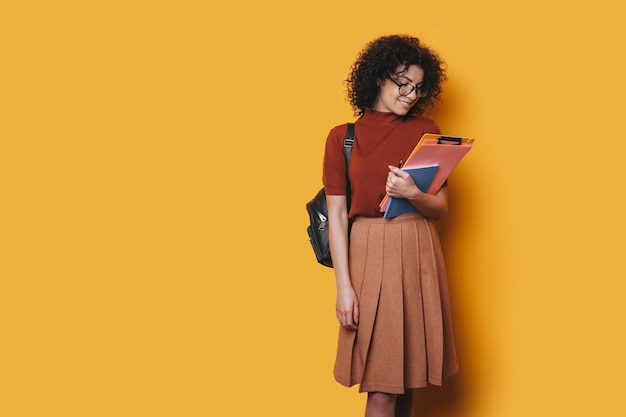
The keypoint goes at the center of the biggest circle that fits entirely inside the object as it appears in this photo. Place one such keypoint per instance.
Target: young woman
(392, 300)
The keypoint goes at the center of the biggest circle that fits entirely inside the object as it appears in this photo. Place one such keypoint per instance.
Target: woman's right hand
(347, 308)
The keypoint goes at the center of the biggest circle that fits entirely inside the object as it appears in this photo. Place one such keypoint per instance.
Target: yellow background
(155, 162)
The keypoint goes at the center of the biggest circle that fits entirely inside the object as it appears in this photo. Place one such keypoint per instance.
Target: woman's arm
(347, 304)
(400, 185)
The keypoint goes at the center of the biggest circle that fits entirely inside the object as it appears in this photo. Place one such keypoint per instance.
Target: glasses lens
(406, 89)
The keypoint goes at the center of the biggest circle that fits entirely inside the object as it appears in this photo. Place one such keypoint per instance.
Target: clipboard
(432, 149)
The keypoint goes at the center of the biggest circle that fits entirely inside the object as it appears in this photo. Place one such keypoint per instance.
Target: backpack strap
(348, 143)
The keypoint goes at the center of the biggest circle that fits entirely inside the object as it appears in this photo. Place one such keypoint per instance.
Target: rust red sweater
(381, 139)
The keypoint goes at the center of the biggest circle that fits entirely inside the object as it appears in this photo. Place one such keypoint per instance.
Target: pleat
(430, 301)
(416, 368)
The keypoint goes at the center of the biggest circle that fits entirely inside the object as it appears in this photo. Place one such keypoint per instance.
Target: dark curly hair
(381, 58)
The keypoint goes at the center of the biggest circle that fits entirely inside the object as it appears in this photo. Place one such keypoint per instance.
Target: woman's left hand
(400, 184)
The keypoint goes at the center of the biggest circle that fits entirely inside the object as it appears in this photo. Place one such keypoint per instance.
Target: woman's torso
(381, 139)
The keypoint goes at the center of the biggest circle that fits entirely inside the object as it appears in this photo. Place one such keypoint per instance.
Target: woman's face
(390, 99)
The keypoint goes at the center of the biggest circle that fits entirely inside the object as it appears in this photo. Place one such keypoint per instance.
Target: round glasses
(405, 89)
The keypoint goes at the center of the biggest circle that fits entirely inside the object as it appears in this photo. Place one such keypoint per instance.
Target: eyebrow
(407, 78)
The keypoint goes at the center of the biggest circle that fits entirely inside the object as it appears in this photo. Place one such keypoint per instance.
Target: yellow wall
(156, 159)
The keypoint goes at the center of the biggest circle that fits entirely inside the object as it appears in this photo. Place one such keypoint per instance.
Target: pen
(400, 164)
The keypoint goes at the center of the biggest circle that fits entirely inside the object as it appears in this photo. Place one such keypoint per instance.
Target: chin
(401, 112)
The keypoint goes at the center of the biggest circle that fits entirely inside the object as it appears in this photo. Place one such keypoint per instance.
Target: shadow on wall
(457, 394)
(453, 398)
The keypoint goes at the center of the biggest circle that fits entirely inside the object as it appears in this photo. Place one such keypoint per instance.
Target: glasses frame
(418, 90)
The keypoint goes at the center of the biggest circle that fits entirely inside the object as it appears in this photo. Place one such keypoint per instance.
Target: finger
(340, 318)
(392, 174)
(397, 171)
(355, 314)
(348, 321)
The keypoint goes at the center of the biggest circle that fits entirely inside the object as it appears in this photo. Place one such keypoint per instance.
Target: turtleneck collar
(379, 118)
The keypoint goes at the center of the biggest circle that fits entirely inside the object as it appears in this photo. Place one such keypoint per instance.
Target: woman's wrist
(343, 283)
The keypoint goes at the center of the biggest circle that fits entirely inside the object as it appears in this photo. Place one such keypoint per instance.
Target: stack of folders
(423, 177)
(429, 164)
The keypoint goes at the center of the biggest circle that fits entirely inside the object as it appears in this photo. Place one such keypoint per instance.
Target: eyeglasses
(405, 89)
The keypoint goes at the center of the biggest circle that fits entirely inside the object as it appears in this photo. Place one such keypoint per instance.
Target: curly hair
(381, 58)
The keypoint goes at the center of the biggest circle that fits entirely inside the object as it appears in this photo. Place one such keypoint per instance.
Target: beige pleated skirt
(404, 337)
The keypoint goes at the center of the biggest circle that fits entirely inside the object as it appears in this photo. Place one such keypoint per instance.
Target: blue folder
(422, 176)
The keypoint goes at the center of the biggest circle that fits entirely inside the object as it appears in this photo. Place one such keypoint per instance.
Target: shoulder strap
(348, 143)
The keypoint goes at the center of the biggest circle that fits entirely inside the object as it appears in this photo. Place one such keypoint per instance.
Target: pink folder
(442, 150)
